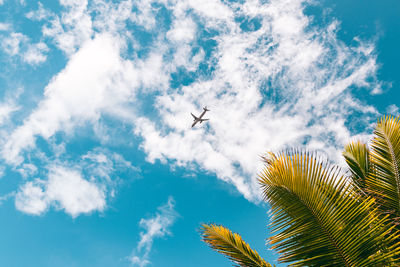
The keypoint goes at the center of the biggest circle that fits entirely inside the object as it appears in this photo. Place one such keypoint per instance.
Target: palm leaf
(356, 155)
(385, 157)
(231, 245)
(319, 219)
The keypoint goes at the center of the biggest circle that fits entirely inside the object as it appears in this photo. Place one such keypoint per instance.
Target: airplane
(199, 119)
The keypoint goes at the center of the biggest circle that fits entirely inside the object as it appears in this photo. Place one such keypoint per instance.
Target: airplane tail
(205, 109)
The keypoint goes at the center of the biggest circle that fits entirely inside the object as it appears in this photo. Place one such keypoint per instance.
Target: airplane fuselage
(200, 118)
(202, 114)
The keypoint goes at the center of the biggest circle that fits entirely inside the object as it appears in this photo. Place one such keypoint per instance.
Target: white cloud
(108, 161)
(182, 30)
(112, 17)
(4, 26)
(27, 170)
(145, 15)
(96, 81)
(40, 14)
(75, 95)
(64, 189)
(104, 165)
(35, 53)
(182, 34)
(2, 172)
(79, 187)
(73, 193)
(8, 106)
(393, 110)
(18, 45)
(157, 226)
(5, 111)
(31, 198)
(12, 43)
(213, 12)
(72, 29)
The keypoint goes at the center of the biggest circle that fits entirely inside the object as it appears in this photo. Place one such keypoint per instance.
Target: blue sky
(98, 163)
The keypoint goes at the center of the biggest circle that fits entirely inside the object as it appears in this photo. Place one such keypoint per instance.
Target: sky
(99, 165)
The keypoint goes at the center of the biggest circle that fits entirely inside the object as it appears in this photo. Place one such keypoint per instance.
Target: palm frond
(356, 155)
(385, 156)
(319, 219)
(231, 245)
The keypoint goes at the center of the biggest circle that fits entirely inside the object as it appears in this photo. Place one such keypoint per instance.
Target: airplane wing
(194, 116)
(201, 120)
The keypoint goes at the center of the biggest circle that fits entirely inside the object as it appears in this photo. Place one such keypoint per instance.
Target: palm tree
(322, 216)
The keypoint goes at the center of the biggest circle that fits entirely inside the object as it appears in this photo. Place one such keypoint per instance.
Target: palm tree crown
(323, 217)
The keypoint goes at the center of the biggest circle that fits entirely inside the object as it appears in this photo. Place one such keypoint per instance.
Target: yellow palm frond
(356, 155)
(319, 219)
(385, 157)
(231, 245)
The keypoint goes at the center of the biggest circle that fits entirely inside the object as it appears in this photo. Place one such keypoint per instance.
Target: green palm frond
(231, 245)
(356, 155)
(319, 219)
(385, 157)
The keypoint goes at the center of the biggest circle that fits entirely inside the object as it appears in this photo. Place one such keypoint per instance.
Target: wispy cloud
(18, 45)
(5, 111)
(154, 227)
(4, 26)
(36, 53)
(393, 109)
(70, 30)
(12, 43)
(40, 14)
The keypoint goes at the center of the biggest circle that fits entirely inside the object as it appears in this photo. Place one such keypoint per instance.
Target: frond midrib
(395, 169)
(234, 245)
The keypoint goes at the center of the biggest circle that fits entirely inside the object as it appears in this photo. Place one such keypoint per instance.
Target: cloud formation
(272, 78)
(393, 109)
(278, 82)
(4, 26)
(19, 45)
(157, 226)
(76, 95)
(65, 189)
(78, 188)
(11, 44)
